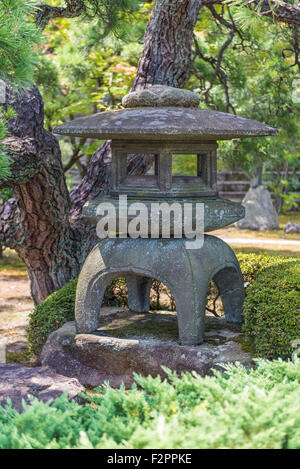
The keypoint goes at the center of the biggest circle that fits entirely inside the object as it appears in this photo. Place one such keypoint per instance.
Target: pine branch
(107, 10)
(277, 10)
(24, 160)
(45, 13)
(216, 64)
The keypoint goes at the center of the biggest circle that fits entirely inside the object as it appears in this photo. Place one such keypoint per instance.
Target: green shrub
(50, 315)
(272, 305)
(59, 308)
(271, 308)
(257, 409)
(252, 264)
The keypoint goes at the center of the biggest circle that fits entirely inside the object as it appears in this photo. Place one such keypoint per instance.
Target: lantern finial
(161, 96)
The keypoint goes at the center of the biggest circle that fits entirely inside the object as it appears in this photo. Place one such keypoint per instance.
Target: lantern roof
(164, 113)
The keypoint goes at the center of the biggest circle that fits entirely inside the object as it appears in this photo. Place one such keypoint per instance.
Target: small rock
(161, 96)
(18, 382)
(292, 228)
(260, 212)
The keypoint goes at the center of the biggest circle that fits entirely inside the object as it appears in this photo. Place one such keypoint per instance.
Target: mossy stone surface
(127, 343)
(161, 325)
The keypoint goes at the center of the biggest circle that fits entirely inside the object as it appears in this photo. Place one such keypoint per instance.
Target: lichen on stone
(161, 96)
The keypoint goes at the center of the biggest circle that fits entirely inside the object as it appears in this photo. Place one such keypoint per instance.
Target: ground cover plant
(238, 408)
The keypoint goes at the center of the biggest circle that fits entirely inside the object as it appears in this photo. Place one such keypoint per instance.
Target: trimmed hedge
(59, 308)
(272, 306)
(256, 409)
(271, 310)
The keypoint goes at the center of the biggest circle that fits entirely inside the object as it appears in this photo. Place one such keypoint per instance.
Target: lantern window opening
(184, 165)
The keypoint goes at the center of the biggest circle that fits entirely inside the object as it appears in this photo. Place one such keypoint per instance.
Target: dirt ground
(16, 302)
(15, 306)
(259, 241)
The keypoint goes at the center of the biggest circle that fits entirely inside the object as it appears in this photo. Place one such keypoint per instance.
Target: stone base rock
(140, 343)
(260, 212)
(18, 382)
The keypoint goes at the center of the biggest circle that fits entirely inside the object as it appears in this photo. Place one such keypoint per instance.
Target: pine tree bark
(43, 222)
(36, 222)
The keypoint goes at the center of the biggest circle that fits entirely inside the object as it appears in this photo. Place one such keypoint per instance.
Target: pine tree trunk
(44, 223)
(36, 224)
(166, 56)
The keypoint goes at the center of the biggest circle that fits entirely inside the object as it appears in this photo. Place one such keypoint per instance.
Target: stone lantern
(163, 122)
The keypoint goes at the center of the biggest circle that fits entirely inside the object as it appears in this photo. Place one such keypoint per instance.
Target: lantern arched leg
(186, 272)
(230, 283)
(138, 293)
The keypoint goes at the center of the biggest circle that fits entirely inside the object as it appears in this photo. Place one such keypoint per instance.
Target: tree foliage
(248, 65)
(109, 12)
(18, 36)
(84, 69)
(242, 64)
(18, 57)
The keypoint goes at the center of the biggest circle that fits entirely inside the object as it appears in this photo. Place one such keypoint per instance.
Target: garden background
(84, 57)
